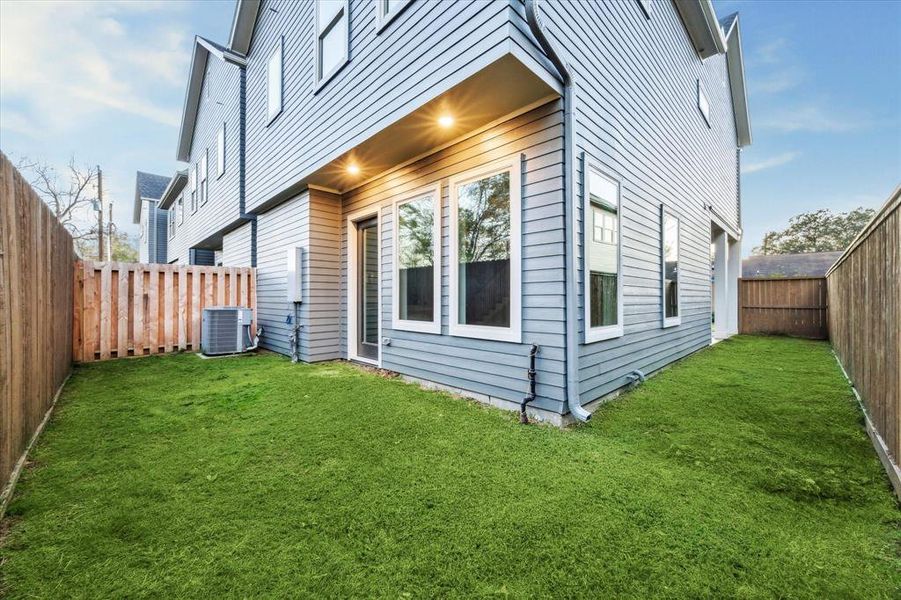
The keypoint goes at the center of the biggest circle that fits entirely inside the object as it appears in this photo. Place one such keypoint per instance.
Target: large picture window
(669, 225)
(417, 272)
(332, 41)
(603, 268)
(485, 294)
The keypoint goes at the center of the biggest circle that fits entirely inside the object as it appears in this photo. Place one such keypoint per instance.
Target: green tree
(124, 247)
(816, 231)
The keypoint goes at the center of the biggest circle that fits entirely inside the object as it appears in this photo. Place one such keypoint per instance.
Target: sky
(104, 81)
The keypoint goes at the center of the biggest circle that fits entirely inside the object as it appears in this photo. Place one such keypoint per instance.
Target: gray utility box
(226, 330)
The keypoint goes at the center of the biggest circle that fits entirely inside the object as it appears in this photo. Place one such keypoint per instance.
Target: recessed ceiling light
(445, 120)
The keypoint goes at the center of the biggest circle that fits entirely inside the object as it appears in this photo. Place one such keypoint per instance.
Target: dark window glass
(670, 266)
(603, 250)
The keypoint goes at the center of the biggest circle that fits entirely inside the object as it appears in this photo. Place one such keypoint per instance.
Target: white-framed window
(486, 252)
(204, 188)
(194, 189)
(171, 214)
(181, 210)
(220, 152)
(602, 244)
(387, 10)
(274, 82)
(703, 104)
(332, 38)
(669, 268)
(416, 302)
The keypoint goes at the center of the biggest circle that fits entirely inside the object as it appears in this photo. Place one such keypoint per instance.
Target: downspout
(569, 186)
(242, 137)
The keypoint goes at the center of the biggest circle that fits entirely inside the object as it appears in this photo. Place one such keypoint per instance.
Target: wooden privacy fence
(36, 261)
(788, 306)
(865, 326)
(129, 309)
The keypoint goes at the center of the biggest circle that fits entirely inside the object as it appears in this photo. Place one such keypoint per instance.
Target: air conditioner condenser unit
(226, 330)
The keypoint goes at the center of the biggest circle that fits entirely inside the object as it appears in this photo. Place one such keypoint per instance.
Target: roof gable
(203, 49)
(243, 24)
(735, 65)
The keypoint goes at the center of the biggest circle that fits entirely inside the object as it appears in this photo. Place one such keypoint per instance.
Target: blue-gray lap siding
(425, 50)
(219, 103)
(157, 232)
(638, 118)
(492, 368)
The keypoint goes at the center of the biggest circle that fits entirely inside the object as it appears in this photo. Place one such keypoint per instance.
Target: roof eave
(736, 67)
(243, 24)
(703, 27)
(176, 185)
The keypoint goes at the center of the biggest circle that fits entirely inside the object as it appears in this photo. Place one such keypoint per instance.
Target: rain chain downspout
(569, 160)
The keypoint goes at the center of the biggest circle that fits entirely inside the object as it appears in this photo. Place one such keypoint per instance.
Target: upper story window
(171, 215)
(386, 10)
(332, 37)
(669, 226)
(603, 268)
(194, 189)
(645, 7)
(220, 151)
(485, 252)
(203, 180)
(181, 211)
(417, 265)
(703, 103)
(274, 82)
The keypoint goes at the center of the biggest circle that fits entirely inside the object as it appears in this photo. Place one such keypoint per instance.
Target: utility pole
(100, 214)
(109, 233)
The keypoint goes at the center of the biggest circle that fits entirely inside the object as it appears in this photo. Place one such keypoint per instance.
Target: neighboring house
(808, 264)
(152, 220)
(441, 185)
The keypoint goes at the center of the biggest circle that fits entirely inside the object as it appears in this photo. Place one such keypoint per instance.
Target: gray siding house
(437, 188)
(152, 220)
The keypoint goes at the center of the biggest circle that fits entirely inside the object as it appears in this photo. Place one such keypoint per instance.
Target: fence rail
(865, 324)
(36, 261)
(130, 309)
(794, 306)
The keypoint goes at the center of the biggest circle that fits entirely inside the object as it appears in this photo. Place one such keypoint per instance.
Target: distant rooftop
(810, 264)
(149, 185)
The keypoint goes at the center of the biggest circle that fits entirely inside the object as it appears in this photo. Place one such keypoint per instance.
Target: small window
(703, 104)
(171, 223)
(203, 180)
(485, 283)
(386, 10)
(274, 82)
(332, 37)
(603, 268)
(181, 211)
(417, 268)
(669, 227)
(194, 189)
(220, 151)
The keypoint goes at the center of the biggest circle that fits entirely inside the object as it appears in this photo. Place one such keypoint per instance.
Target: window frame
(278, 48)
(204, 177)
(606, 332)
(645, 7)
(433, 326)
(220, 152)
(705, 113)
(677, 320)
(322, 79)
(383, 17)
(194, 202)
(513, 333)
(171, 220)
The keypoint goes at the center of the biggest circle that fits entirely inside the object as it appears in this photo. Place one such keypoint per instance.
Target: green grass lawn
(743, 471)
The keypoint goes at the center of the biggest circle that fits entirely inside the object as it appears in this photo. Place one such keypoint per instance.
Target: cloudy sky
(104, 81)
